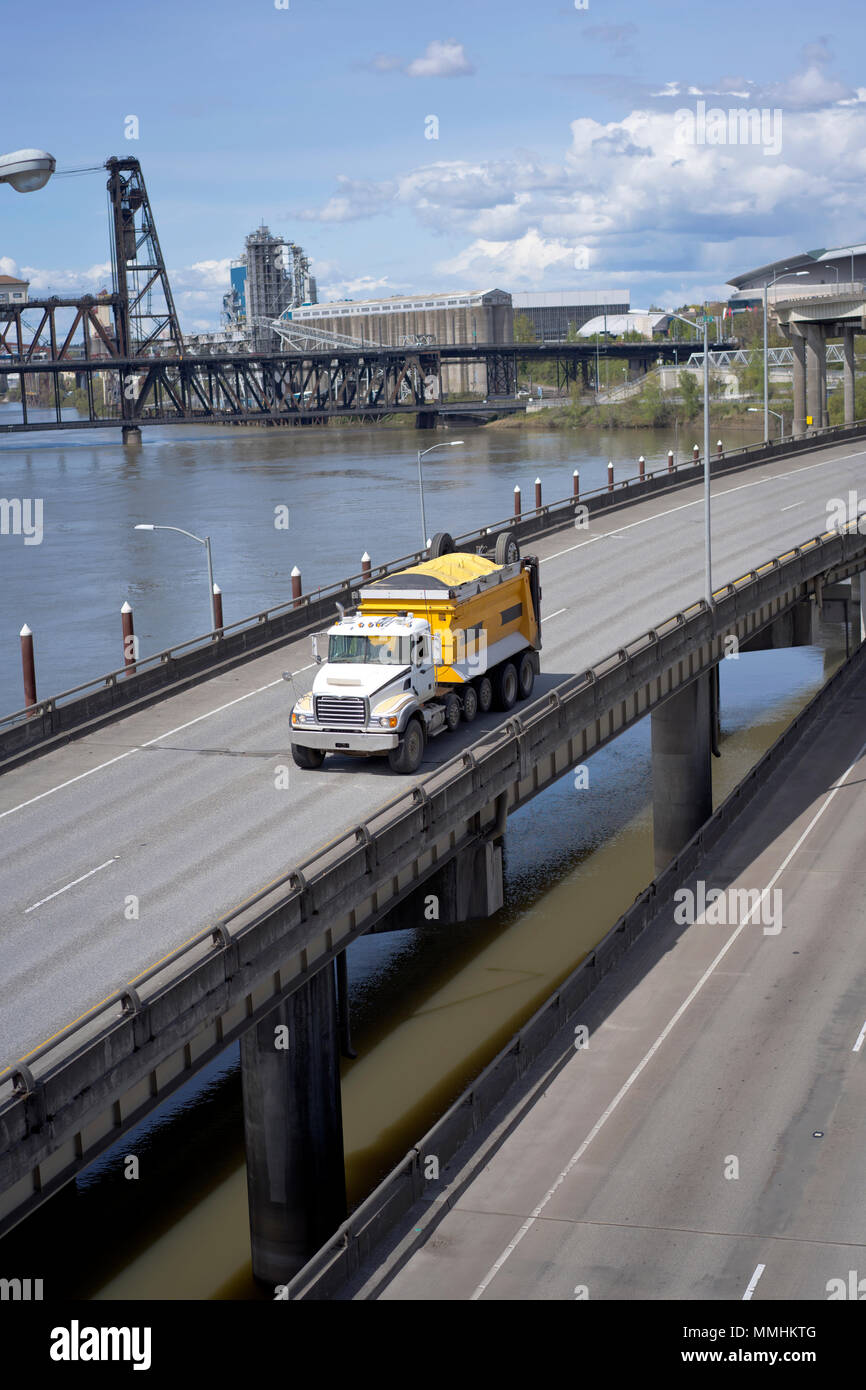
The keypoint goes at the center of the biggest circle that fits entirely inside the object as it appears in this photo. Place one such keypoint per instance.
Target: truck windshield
(387, 651)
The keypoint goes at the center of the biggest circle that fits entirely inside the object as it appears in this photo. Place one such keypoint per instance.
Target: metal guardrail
(551, 514)
(303, 877)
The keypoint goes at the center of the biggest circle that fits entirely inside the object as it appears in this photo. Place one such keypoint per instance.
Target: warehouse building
(480, 316)
(556, 313)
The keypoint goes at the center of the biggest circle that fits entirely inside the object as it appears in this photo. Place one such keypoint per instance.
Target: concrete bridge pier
(131, 436)
(293, 1129)
(815, 375)
(848, 374)
(682, 739)
(798, 352)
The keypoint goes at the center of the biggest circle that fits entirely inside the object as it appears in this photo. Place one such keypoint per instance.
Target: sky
(417, 148)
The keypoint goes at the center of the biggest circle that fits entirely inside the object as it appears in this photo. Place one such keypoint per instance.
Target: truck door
(423, 670)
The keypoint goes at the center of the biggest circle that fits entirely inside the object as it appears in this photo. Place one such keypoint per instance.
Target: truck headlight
(301, 718)
(386, 721)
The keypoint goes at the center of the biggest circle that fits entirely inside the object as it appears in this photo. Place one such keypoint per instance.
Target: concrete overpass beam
(848, 374)
(469, 885)
(293, 1130)
(798, 346)
(682, 772)
(796, 627)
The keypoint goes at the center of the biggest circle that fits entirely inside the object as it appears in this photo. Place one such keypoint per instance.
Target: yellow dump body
(481, 612)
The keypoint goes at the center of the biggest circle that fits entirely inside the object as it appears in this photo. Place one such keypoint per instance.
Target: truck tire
(307, 758)
(507, 550)
(452, 711)
(470, 703)
(506, 686)
(406, 757)
(525, 676)
(441, 544)
(484, 688)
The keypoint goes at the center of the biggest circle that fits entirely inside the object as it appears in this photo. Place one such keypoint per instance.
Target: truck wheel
(484, 686)
(307, 758)
(507, 550)
(526, 676)
(452, 712)
(506, 686)
(441, 544)
(470, 703)
(406, 757)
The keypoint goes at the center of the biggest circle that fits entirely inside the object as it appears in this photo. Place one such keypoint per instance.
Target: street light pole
(202, 540)
(446, 444)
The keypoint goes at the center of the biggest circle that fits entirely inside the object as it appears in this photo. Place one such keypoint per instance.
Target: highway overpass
(706, 1141)
(158, 855)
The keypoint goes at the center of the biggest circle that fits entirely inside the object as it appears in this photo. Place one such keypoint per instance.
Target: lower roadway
(122, 844)
(708, 1142)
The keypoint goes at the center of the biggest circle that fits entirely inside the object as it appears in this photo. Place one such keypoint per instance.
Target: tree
(690, 394)
(524, 329)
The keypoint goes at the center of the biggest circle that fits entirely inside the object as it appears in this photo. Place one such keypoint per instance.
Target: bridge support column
(862, 606)
(293, 1131)
(848, 374)
(682, 769)
(814, 375)
(469, 886)
(131, 436)
(798, 352)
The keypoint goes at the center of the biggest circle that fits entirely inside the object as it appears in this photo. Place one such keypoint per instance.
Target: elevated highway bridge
(171, 883)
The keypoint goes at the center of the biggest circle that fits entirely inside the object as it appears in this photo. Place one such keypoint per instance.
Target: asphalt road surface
(119, 846)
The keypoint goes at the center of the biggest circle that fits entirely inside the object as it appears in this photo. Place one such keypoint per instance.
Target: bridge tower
(145, 318)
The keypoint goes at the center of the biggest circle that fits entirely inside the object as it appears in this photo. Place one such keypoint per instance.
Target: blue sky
(560, 160)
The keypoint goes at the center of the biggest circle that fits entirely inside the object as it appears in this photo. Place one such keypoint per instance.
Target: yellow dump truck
(431, 645)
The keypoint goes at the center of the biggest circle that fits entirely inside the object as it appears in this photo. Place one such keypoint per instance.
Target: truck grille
(341, 712)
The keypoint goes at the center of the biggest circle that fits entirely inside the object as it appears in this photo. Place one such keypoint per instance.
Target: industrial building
(273, 275)
(556, 313)
(13, 290)
(480, 316)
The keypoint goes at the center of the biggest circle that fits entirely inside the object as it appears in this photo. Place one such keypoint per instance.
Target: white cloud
(527, 258)
(362, 287)
(68, 283)
(442, 58)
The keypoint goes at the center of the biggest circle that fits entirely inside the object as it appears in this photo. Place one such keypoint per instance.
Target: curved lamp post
(446, 444)
(27, 170)
(202, 540)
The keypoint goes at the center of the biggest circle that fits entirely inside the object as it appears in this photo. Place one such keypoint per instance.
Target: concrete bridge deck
(707, 1143)
(177, 807)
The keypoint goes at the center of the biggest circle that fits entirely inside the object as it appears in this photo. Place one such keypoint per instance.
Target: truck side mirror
(437, 648)
(316, 657)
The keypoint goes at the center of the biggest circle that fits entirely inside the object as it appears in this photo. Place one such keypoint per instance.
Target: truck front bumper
(345, 740)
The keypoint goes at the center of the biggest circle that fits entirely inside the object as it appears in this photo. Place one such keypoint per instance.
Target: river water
(429, 1006)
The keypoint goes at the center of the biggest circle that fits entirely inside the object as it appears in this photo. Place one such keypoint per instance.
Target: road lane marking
(89, 874)
(859, 1043)
(129, 752)
(668, 1028)
(547, 616)
(793, 505)
(725, 492)
(753, 1283)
